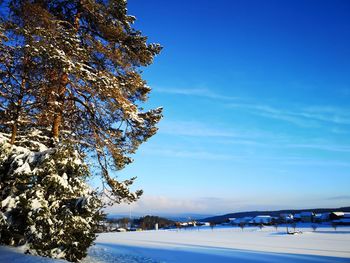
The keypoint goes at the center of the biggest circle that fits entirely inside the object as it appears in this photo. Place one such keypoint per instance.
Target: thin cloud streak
(284, 144)
(201, 155)
(239, 137)
(197, 129)
(329, 148)
(310, 162)
(206, 93)
(246, 159)
(305, 117)
(150, 204)
(339, 197)
(158, 204)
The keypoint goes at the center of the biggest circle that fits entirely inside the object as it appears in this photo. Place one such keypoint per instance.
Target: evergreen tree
(70, 87)
(86, 57)
(46, 203)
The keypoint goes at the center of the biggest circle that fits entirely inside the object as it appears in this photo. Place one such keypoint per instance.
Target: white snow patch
(228, 244)
(223, 244)
(9, 202)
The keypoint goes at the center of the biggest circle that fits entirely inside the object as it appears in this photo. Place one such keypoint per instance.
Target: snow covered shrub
(45, 201)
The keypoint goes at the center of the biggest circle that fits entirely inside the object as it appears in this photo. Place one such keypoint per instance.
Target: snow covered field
(224, 244)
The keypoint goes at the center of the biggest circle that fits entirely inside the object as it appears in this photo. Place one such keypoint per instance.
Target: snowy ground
(224, 244)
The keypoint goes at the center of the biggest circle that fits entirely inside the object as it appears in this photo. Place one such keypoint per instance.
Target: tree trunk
(13, 133)
(58, 116)
(56, 125)
(77, 21)
(18, 108)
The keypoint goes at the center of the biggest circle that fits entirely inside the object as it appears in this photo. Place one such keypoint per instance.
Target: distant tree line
(146, 223)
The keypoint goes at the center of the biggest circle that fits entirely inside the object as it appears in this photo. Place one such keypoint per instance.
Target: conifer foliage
(70, 87)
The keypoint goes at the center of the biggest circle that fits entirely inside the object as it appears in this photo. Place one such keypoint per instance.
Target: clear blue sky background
(256, 106)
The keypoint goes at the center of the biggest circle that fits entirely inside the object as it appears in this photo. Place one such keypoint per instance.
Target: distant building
(232, 220)
(336, 215)
(306, 217)
(243, 220)
(319, 218)
(262, 219)
(203, 224)
(286, 218)
(246, 219)
(237, 221)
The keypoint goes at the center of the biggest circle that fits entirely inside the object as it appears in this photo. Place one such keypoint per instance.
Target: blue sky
(256, 106)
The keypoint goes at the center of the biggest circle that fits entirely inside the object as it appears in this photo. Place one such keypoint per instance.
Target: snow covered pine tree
(70, 89)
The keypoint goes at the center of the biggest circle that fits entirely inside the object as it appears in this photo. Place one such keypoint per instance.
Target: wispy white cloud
(318, 163)
(339, 197)
(339, 131)
(251, 138)
(202, 92)
(216, 130)
(286, 144)
(194, 128)
(272, 112)
(325, 147)
(306, 117)
(332, 114)
(245, 157)
(298, 159)
(158, 204)
(249, 142)
(201, 155)
(150, 204)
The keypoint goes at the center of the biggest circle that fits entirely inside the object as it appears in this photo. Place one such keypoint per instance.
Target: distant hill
(180, 217)
(186, 216)
(224, 218)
